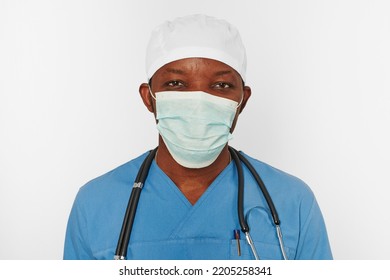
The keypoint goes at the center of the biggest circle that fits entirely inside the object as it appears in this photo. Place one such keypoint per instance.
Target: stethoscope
(124, 237)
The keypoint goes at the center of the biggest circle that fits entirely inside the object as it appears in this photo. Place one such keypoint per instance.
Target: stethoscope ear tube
(264, 190)
(238, 158)
(124, 237)
(240, 201)
(127, 225)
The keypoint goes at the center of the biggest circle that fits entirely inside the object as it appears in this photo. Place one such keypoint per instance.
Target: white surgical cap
(195, 36)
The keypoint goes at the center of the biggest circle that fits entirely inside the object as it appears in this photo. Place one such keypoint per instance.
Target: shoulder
(112, 182)
(281, 183)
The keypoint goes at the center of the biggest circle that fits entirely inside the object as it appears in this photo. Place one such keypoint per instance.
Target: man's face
(199, 74)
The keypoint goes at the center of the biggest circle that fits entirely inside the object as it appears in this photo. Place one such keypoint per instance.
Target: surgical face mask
(194, 125)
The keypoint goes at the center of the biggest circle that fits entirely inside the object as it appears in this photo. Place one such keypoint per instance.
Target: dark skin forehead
(188, 66)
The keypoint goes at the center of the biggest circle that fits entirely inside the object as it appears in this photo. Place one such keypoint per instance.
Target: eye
(174, 83)
(222, 85)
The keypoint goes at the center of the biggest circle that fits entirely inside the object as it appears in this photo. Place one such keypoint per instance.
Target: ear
(247, 94)
(146, 97)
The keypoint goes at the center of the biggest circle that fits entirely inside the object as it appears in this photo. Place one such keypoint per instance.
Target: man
(188, 206)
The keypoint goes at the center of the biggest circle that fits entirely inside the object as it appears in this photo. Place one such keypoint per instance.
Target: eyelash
(218, 85)
(224, 85)
(174, 83)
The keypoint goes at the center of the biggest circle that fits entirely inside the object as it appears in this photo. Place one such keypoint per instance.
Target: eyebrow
(182, 72)
(224, 72)
(175, 71)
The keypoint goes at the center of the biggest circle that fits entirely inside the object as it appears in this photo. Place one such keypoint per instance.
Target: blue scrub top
(167, 226)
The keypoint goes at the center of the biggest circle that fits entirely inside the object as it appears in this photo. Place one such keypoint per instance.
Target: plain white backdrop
(70, 109)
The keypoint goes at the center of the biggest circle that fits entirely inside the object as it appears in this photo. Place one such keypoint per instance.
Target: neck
(191, 182)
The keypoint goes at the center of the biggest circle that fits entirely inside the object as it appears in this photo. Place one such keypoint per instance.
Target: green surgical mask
(194, 125)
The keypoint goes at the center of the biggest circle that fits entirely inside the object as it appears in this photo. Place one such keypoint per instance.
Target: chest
(168, 226)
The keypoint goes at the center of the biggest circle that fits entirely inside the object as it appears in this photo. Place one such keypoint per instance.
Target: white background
(70, 109)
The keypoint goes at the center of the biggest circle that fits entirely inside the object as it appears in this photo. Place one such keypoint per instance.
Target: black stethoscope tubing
(128, 221)
(237, 157)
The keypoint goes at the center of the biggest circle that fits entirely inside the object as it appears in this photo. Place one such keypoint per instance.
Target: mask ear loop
(154, 97)
(239, 104)
(151, 93)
